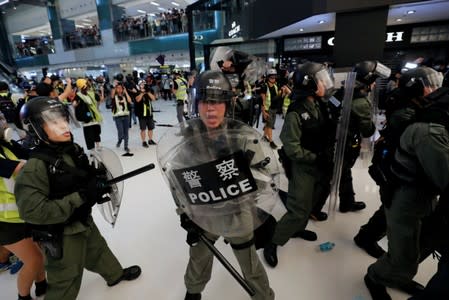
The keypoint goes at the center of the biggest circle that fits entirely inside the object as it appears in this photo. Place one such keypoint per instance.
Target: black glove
(95, 191)
(193, 231)
(81, 213)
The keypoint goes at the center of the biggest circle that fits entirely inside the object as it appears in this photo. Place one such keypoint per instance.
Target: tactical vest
(9, 211)
(63, 179)
(312, 128)
(268, 96)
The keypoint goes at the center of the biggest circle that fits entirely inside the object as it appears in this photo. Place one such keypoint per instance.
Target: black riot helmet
(414, 81)
(40, 110)
(307, 77)
(369, 70)
(212, 86)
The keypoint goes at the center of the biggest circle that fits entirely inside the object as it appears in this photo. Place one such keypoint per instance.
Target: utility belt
(179, 102)
(49, 238)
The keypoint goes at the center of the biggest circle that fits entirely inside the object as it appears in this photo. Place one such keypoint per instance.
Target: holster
(49, 238)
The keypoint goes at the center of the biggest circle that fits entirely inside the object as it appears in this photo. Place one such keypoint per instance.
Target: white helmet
(271, 72)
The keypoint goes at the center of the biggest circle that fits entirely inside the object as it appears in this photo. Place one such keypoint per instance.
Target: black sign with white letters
(221, 180)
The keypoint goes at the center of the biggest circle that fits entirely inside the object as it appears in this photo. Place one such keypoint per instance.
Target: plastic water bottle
(326, 246)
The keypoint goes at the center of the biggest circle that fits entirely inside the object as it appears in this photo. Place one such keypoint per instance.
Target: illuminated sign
(391, 37)
(235, 29)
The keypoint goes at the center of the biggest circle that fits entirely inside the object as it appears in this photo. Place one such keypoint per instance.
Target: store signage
(391, 37)
(235, 29)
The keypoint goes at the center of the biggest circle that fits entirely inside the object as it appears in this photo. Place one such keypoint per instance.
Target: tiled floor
(148, 233)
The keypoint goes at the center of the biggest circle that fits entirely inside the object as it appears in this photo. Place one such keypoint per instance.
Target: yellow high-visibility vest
(9, 212)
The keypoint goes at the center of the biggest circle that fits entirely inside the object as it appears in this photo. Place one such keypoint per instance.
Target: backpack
(82, 112)
(8, 108)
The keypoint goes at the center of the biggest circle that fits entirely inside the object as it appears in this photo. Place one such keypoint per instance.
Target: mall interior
(101, 39)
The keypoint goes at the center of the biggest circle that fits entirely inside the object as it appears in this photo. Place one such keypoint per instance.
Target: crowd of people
(410, 165)
(32, 47)
(82, 38)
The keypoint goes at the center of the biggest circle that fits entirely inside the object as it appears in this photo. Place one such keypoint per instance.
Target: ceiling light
(155, 3)
(161, 8)
(14, 7)
(321, 21)
(410, 12)
(153, 15)
(87, 24)
(141, 11)
(4, 2)
(175, 4)
(399, 20)
(86, 20)
(301, 29)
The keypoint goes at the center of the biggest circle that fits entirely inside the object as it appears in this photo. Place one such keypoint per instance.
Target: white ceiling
(427, 11)
(132, 7)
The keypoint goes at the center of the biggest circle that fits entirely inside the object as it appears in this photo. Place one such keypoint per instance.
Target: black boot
(189, 296)
(129, 273)
(371, 247)
(27, 297)
(377, 291)
(41, 287)
(306, 235)
(354, 206)
(412, 288)
(270, 254)
(318, 216)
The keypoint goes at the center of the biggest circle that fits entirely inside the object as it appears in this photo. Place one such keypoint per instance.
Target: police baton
(227, 265)
(129, 174)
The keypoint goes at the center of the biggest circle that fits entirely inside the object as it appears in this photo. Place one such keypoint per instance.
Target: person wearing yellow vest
(15, 236)
(144, 111)
(271, 98)
(180, 86)
(121, 103)
(86, 111)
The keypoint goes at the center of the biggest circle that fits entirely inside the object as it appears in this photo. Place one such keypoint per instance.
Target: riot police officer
(361, 125)
(401, 109)
(55, 192)
(311, 157)
(206, 141)
(420, 168)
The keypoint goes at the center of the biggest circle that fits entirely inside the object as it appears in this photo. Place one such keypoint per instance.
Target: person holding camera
(144, 111)
(55, 192)
(121, 104)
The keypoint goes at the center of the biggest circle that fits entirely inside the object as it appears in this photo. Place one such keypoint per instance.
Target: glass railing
(34, 46)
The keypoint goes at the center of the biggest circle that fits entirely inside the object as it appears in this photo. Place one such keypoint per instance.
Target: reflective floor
(147, 233)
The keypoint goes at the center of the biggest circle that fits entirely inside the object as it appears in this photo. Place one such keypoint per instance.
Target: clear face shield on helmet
(382, 70)
(432, 81)
(324, 83)
(53, 124)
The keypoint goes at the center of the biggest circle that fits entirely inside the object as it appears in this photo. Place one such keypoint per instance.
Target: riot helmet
(368, 71)
(212, 86)
(309, 76)
(43, 113)
(272, 72)
(420, 81)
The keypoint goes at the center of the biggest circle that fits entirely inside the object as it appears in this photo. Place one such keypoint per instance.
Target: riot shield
(342, 132)
(226, 180)
(108, 162)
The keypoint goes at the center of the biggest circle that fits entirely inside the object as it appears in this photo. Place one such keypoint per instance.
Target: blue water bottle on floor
(326, 246)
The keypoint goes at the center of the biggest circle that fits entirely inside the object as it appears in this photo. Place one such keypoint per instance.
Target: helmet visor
(324, 77)
(433, 80)
(54, 122)
(382, 70)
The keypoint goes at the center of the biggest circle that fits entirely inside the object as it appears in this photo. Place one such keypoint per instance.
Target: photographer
(144, 111)
(121, 103)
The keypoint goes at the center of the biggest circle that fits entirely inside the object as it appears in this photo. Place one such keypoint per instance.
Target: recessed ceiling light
(155, 3)
(161, 8)
(301, 29)
(86, 20)
(175, 4)
(153, 15)
(399, 20)
(321, 21)
(410, 12)
(4, 2)
(141, 11)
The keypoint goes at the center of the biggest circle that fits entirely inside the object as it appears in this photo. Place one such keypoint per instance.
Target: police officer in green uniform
(420, 167)
(310, 157)
(401, 109)
(55, 193)
(361, 125)
(213, 99)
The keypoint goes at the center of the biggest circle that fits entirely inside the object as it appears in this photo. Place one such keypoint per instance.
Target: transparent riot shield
(226, 180)
(342, 131)
(107, 162)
